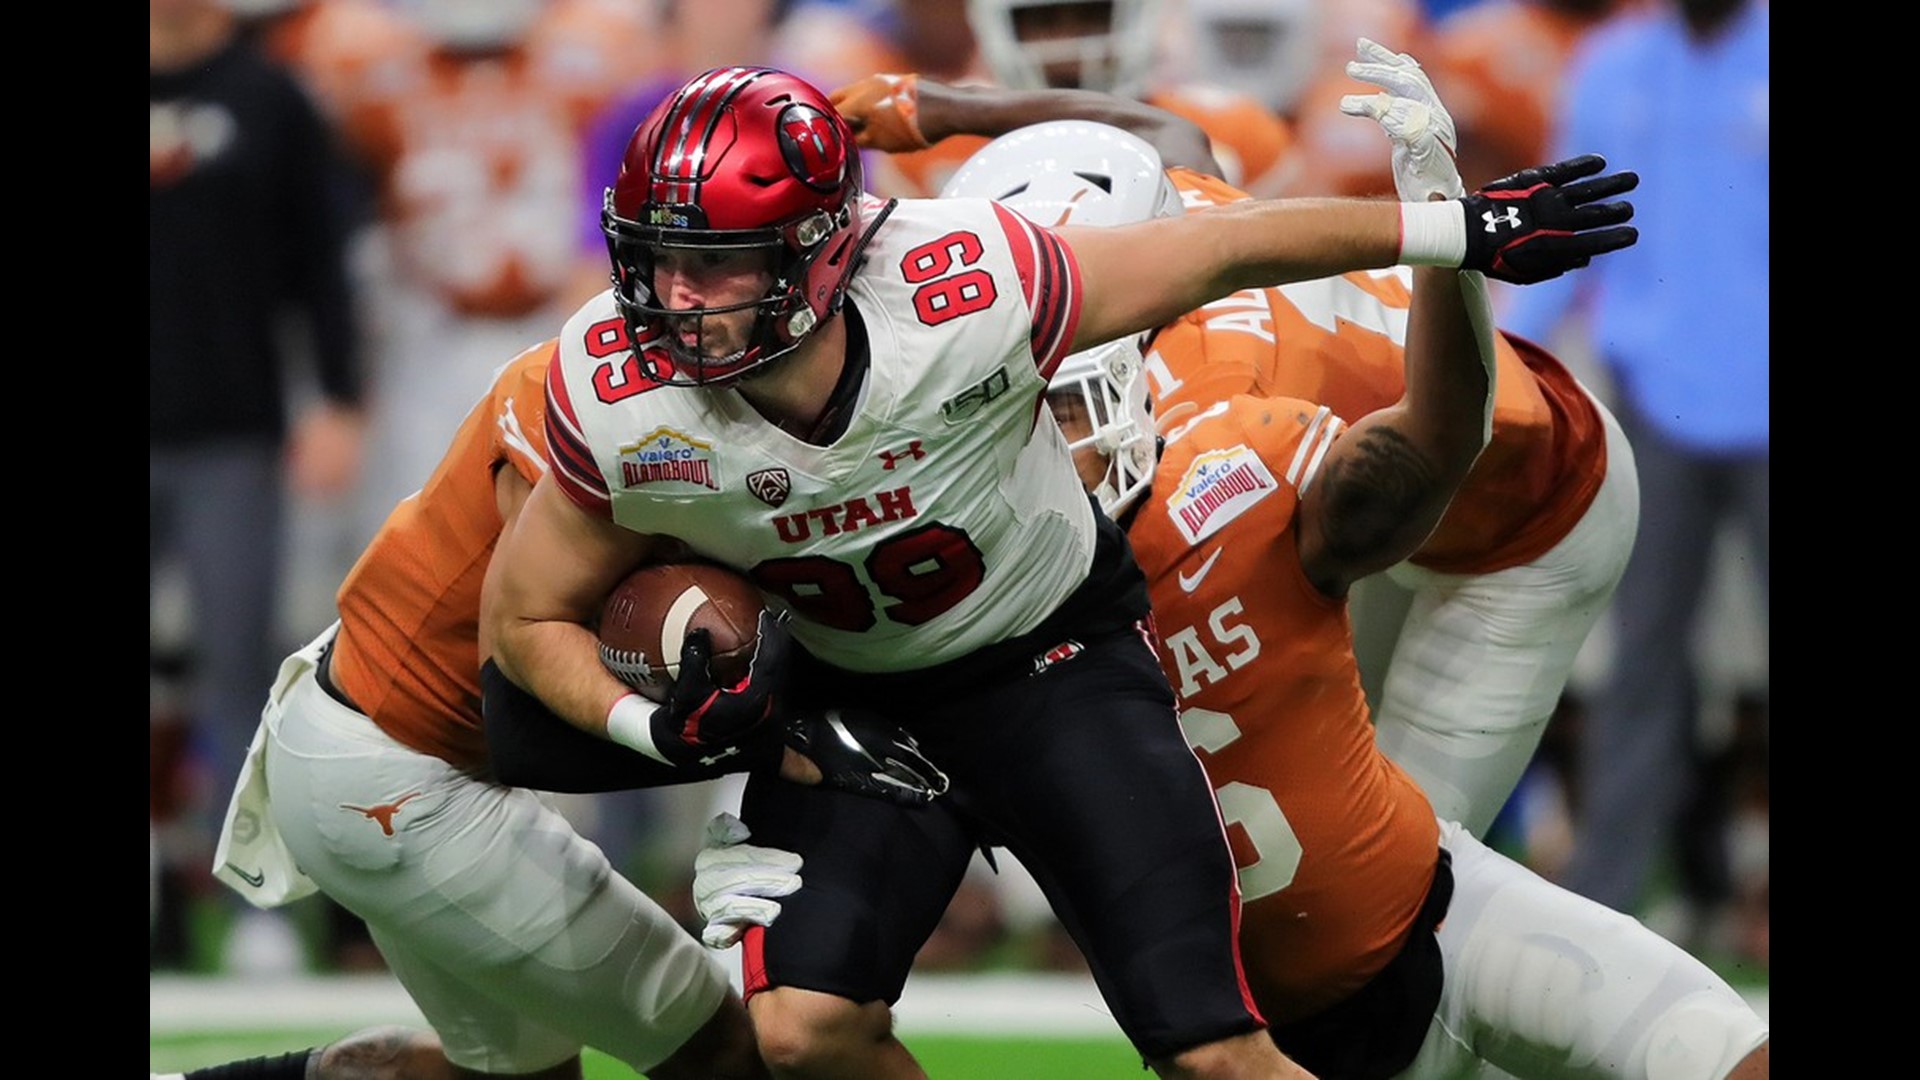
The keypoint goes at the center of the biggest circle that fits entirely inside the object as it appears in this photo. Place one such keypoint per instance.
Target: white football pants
(509, 930)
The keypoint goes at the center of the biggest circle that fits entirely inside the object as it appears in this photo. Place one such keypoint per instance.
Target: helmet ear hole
(1070, 172)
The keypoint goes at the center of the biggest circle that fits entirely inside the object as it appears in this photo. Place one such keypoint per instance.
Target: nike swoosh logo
(1190, 583)
(255, 880)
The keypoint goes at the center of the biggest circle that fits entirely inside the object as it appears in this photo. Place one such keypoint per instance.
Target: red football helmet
(738, 158)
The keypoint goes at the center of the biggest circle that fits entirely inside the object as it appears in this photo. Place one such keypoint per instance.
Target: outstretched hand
(866, 754)
(883, 111)
(1409, 110)
(734, 882)
(1541, 222)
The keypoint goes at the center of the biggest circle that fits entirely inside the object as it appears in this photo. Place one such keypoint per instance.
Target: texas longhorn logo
(384, 812)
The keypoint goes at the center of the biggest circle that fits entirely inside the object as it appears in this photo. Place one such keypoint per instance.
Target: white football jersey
(948, 515)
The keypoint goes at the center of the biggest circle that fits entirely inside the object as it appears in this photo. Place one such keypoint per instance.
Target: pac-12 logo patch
(770, 486)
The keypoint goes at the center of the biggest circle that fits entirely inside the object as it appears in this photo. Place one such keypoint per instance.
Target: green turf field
(983, 1027)
(950, 1057)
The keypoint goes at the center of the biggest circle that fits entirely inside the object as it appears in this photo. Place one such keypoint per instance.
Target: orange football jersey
(343, 49)
(479, 154)
(1341, 341)
(1498, 67)
(1249, 140)
(920, 174)
(1336, 845)
(1339, 154)
(408, 651)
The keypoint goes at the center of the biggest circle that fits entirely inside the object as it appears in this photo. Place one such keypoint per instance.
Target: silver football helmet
(1077, 172)
(1266, 49)
(1108, 47)
(475, 25)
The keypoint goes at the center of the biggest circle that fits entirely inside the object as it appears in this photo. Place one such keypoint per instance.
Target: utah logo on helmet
(737, 159)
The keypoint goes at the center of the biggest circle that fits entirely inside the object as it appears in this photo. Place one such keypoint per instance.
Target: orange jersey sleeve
(408, 650)
(1342, 342)
(479, 156)
(1337, 154)
(344, 50)
(1499, 66)
(1249, 140)
(922, 173)
(1336, 845)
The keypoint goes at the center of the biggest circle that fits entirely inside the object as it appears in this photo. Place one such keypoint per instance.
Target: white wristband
(1433, 233)
(630, 723)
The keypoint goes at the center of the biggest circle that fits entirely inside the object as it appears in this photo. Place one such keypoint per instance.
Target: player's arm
(1144, 275)
(902, 113)
(1385, 483)
(550, 573)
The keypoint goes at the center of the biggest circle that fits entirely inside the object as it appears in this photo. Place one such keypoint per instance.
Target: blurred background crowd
(361, 208)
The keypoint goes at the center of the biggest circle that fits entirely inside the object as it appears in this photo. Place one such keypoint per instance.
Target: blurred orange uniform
(478, 151)
(1248, 141)
(341, 48)
(1337, 154)
(408, 650)
(1499, 66)
(1339, 341)
(1336, 845)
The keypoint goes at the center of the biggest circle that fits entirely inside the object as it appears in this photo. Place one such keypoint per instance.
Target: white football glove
(734, 882)
(1416, 121)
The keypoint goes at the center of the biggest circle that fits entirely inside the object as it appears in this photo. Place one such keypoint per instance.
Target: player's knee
(723, 1049)
(1710, 1035)
(384, 1053)
(802, 1030)
(1757, 1065)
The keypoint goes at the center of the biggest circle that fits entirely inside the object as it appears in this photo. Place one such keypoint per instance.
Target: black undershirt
(838, 412)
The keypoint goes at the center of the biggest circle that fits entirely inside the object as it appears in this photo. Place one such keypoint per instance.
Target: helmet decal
(810, 143)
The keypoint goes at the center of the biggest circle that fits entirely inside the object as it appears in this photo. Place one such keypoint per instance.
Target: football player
(1525, 560)
(841, 398)
(1380, 941)
(390, 794)
(1252, 519)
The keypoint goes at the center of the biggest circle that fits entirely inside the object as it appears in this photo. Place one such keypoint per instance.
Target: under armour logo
(715, 759)
(384, 813)
(890, 458)
(1494, 221)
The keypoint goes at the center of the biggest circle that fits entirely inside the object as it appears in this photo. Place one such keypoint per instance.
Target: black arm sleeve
(533, 747)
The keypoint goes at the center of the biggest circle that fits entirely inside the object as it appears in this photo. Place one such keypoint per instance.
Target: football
(648, 615)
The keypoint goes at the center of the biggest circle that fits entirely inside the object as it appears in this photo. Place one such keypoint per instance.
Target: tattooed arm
(1387, 481)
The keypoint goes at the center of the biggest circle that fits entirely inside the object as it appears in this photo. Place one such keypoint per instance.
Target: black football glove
(863, 753)
(701, 723)
(1537, 224)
